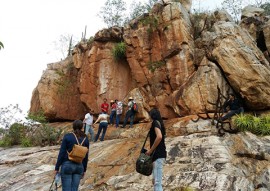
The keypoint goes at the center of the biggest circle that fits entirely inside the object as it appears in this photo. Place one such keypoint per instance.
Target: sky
(28, 30)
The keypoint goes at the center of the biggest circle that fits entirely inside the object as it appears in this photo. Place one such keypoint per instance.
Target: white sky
(28, 29)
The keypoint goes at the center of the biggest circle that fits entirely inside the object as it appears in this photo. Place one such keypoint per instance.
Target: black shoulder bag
(144, 164)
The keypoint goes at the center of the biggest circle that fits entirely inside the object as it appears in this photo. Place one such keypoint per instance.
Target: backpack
(78, 152)
(134, 107)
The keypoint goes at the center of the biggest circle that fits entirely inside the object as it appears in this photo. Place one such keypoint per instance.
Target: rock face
(169, 60)
(56, 94)
(197, 159)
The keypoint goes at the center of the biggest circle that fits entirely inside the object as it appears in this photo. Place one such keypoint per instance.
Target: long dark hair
(77, 128)
(155, 115)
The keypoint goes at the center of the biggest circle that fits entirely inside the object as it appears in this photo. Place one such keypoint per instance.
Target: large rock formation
(172, 58)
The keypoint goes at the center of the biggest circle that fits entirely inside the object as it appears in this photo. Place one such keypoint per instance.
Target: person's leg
(87, 127)
(114, 116)
(157, 174)
(98, 133)
(132, 114)
(92, 133)
(111, 117)
(66, 176)
(76, 176)
(105, 125)
(126, 118)
(229, 115)
(117, 120)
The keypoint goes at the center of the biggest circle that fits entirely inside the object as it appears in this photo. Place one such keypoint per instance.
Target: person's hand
(55, 172)
(148, 152)
(83, 175)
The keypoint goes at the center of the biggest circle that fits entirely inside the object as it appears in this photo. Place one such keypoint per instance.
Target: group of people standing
(72, 172)
(105, 119)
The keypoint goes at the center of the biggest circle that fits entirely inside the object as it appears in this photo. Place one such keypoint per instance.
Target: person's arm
(62, 152)
(156, 142)
(225, 105)
(98, 119)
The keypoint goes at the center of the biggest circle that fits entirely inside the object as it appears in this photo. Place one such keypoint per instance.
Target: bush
(119, 51)
(46, 135)
(5, 142)
(35, 133)
(256, 125)
(26, 142)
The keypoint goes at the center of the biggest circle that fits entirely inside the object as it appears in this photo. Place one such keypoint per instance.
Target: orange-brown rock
(165, 63)
(56, 93)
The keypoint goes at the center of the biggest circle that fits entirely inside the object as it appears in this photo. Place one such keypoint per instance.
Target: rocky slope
(197, 158)
(177, 60)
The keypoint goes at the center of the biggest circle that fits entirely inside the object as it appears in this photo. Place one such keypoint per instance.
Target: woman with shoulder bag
(157, 148)
(72, 172)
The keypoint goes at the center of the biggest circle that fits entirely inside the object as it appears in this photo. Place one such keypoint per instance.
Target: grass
(258, 125)
(119, 51)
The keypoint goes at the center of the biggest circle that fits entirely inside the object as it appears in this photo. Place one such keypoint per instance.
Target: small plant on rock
(119, 51)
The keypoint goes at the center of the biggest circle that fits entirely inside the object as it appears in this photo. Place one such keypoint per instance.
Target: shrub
(256, 125)
(5, 142)
(26, 142)
(119, 51)
(46, 135)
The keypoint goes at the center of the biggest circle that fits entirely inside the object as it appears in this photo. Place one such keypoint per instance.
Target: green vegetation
(119, 51)
(256, 125)
(112, 12)
(151, 22)
(34, 132)
(1, 45)
(152, 66)
(266, 8)
(65, 80)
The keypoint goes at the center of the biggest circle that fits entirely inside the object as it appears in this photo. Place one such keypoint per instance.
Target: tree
(65, 44)
(1, 45)
(137, 9)
(234, 7)
(113, 12)
(9, 115)
(150, 4)
(266, 8)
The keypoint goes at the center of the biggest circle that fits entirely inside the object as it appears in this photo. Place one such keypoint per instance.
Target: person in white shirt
(119, 110)
(88, 120)
(103, 124)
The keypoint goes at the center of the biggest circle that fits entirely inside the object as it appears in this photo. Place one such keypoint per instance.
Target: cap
(130, 98)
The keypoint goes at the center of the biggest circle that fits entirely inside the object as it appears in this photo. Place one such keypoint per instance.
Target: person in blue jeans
(113, 111)
(157, 148)
(130, 113)
(235, 107)
(88, 121)
(72, 172)
(103, 119)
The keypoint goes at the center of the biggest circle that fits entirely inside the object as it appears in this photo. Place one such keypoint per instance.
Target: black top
(160, 151)
(233, 104)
